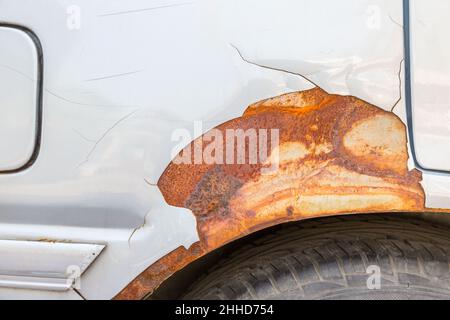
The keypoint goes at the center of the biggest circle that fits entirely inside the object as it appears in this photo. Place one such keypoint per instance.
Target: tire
(329, 258)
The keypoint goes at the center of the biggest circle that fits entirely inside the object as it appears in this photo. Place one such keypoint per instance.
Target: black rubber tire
(328, 259)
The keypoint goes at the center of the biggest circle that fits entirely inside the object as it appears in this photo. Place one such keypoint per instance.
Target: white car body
(120, 77)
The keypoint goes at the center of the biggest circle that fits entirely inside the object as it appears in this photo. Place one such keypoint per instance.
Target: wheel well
(178, 283)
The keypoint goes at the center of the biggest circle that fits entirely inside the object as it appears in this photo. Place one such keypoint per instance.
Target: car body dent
(109, 119)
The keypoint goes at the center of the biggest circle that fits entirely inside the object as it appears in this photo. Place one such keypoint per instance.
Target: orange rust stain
(336, 155)
(161, 270)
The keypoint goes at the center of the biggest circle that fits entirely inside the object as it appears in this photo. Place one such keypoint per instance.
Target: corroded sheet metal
(153, 276)
(336, 154)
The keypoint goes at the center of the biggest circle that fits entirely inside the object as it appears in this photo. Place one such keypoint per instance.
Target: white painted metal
(35, 283)
(18, 96)
(430, 26)
(121, 76)
(44, 265)
(22, 294)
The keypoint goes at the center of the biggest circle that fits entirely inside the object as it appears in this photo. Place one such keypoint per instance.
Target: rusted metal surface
(336, 155)
(161, 270)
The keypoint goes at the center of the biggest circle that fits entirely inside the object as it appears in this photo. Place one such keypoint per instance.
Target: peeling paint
(198, 77)
(82, 136)
(338, 155)
(149, 183)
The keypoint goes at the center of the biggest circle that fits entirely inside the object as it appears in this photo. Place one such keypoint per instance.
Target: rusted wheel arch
(336, 155)
(162, 270)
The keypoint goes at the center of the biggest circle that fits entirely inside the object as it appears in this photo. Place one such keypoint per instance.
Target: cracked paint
(306, 77)
(273, 68)
(137, 229)
(103, 136)
(143, 10)
(400, 86)
(112, 76)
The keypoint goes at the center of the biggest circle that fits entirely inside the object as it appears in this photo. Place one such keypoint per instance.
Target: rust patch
(158, 272)
(337, 155)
